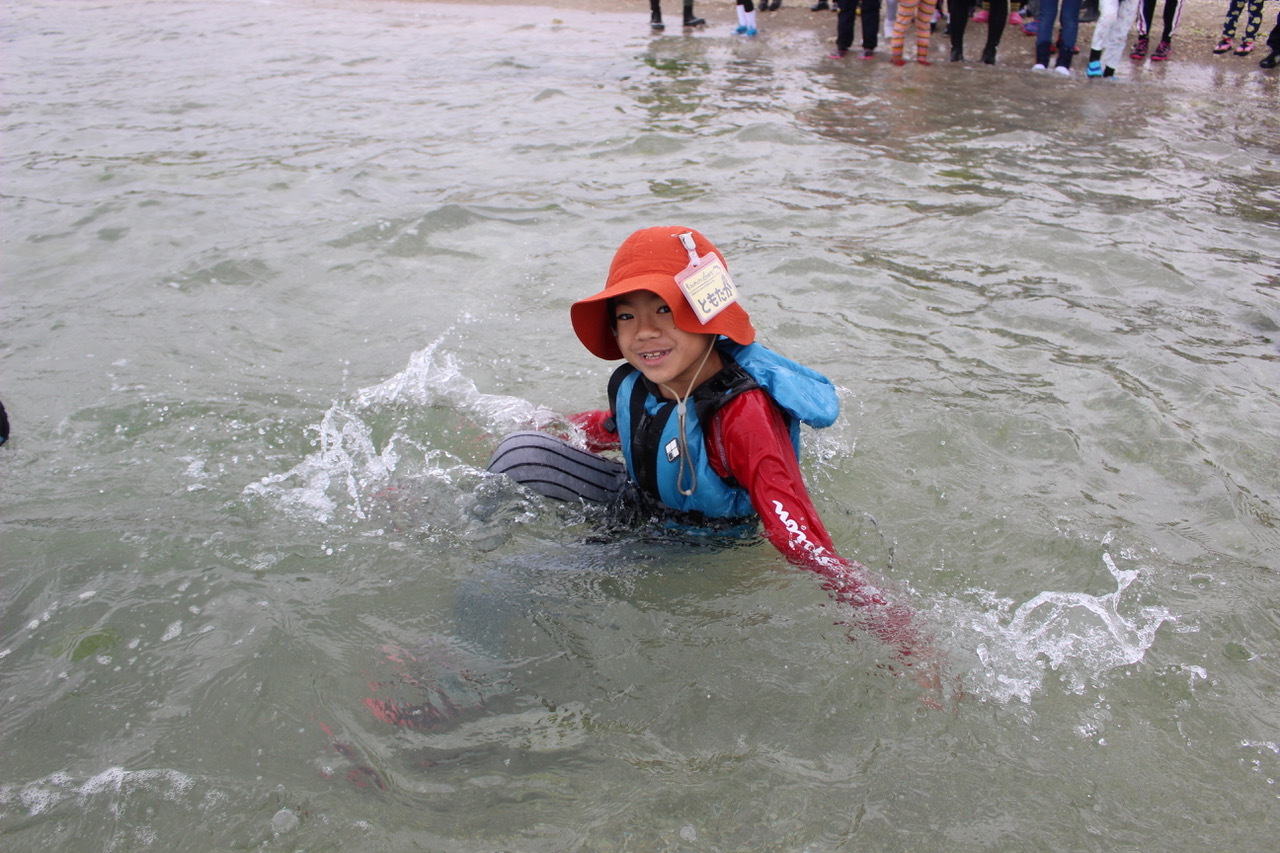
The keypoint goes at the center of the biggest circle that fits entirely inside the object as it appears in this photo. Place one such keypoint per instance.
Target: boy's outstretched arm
(750, 440)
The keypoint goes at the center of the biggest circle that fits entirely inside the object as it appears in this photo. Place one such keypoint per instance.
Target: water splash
(357, 456)
(433, 378)
(1079, 636)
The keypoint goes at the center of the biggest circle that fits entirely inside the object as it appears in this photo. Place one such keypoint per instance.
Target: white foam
(1079, 636)
(41, 795)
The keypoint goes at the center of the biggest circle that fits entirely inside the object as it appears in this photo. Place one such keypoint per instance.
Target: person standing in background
(920, 14)
(1253, 23)
(1172, 12)
(747, 19)
(1273, 43)
(870, 27)
(1110, 36)
(655, 15)
(996, 20)
(1049, 16)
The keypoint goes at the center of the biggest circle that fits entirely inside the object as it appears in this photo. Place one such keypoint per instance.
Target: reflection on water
(278, 273)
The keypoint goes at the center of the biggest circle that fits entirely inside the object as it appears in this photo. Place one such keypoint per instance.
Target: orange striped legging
(920, 11)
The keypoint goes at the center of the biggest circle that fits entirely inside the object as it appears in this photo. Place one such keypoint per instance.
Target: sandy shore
(1198, 30)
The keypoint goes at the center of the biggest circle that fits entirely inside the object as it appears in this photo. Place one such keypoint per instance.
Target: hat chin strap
(682, 442)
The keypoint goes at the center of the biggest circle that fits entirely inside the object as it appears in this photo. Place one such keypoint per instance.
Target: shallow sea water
(277, 275)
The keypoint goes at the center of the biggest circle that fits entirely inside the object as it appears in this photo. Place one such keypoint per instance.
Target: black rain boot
(989, 55)
(655, 15)
(689, 19)
(957, 50)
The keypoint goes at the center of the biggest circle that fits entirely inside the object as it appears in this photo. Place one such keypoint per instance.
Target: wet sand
(1198, 30)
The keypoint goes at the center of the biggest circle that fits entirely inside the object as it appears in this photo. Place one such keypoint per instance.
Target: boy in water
(707, 421)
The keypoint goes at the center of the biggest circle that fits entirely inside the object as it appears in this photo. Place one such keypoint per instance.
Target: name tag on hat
(708, 287)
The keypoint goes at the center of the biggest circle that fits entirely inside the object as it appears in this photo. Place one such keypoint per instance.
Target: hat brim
(594, 327)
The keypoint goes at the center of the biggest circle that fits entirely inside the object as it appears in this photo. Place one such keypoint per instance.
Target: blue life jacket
(648, 427)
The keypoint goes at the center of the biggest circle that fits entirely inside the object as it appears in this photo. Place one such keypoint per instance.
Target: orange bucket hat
(649, 260)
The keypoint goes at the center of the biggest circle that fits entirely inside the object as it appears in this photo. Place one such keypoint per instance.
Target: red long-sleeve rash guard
(749, 440)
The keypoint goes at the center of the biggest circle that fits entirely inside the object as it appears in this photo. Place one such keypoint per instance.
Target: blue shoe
(1094, 69)
(741, 30)
(752, 32)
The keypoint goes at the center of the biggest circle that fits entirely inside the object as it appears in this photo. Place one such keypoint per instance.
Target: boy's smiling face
(651, 343)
